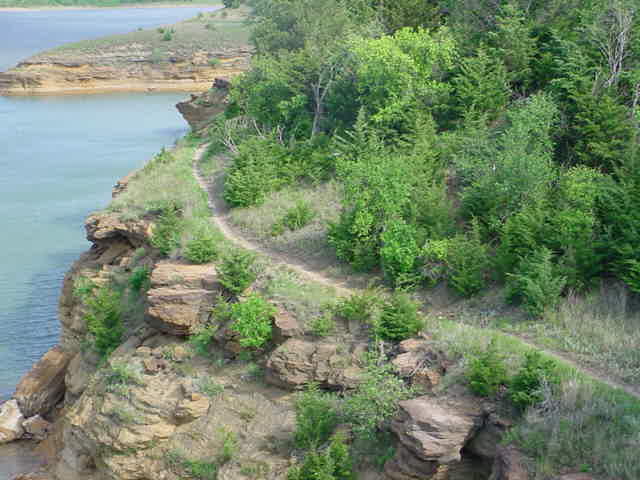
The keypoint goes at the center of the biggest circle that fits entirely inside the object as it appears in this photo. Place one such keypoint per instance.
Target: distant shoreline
(97, 7)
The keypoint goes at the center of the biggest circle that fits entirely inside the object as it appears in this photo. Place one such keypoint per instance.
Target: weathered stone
(11, 420)
(298, 362)
(103, 228)
(43, 386)
(485, 443)
(178, 311)
(193, 406)
(509, 465)
(154, 365)
(36, 427)
(169, 274)
(436, 429)
(79, 371)
(285, 326)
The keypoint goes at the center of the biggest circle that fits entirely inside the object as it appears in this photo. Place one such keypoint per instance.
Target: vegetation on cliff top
(101, 3)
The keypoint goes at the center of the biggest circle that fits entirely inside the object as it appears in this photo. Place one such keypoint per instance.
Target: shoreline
(44, 8)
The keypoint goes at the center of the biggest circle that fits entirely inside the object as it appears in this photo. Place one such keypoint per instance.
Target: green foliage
(375, 400)
(399, 318)
(119, 374)
(104, 319)
(462, 260)
(202, 248)
(201, 340)
(316, 417)
(486, 371)
(231, 3)
(359, 307)
(139, 278)
(323, 325)
(536, 283)
(237, 271)
(167, 35)
(167, 231)
(252, 320)
(209, 387)
(299, 216)
(399, 253)
(332, 464)
(525, 388)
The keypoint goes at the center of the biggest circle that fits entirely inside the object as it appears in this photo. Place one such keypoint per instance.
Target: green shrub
(463, 260)
(486, 371)
(334, 463)
(121, 374)
(322, 325)
(167, 231)
(525, 388)
(399, 253)
(316, 417)
(358, 307)
(139, 278)
(202, 338)
(296, 218)
(104, 319)
(536, 283)
(252, 321)
(202, 248)
(237, 271)
(214, 62)
(399, 318)
(375, 400)
(167, 35)
(231, 3)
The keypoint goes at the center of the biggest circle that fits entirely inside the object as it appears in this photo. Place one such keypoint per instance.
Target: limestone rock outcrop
(200, 109)
(298, 362)
(11, 421)
(43, 386)
(180, 297)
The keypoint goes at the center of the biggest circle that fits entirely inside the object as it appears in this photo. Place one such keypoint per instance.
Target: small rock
(143, 351)
(43, 386)
(37, 427)
(285, 326)
(412, 344)
(11, 420)
(193, 406)
(154, 365)
(181, 353)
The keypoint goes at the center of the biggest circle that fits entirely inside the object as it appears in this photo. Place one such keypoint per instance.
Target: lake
(59, 158)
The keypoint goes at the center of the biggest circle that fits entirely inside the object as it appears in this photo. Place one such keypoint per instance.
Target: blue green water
(59, 157)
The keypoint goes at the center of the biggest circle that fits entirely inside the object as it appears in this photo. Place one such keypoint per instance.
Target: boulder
(43, 386)
(104, 228)
(509, 464)
(193, 406)
(420, 362)
(298, 362)
(11, 420)
(36, 427)
(485, 443)
(436, 429)
(170, 274)
(285, 326)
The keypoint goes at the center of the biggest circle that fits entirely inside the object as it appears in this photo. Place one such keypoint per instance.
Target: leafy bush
(333, 464)
(399, 318)
(462, 260)
(536, 283)
(375, 400)
(358, 307)
(316, 417)
(252, 321)
(322, 325)
(104, 319)
(201, 339)
(139, 278)
(486, 371)
(399, 253)
(237, 271)
(167, 231)
(120, 375)
(167, 35)
(296, 218)
(525, 386)
(202, 248)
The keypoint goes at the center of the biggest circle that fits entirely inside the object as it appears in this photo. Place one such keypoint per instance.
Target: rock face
(200, 109)
(298, 362)
(126, 69)
(436, 431)
(509, 465)
(11, 420)
(36, 427)
(43, 386)
(180, 297)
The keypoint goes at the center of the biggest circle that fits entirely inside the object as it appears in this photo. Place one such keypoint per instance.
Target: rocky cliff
(127, 69)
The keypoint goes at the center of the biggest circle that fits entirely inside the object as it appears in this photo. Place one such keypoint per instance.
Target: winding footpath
(221, 219)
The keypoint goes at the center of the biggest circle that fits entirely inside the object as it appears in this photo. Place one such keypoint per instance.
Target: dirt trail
(221, 218)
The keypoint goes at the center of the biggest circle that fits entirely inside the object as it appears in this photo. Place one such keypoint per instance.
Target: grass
(210, 35)
(584, 425)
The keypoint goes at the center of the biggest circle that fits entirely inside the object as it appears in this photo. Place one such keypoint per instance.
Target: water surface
(59, 157)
